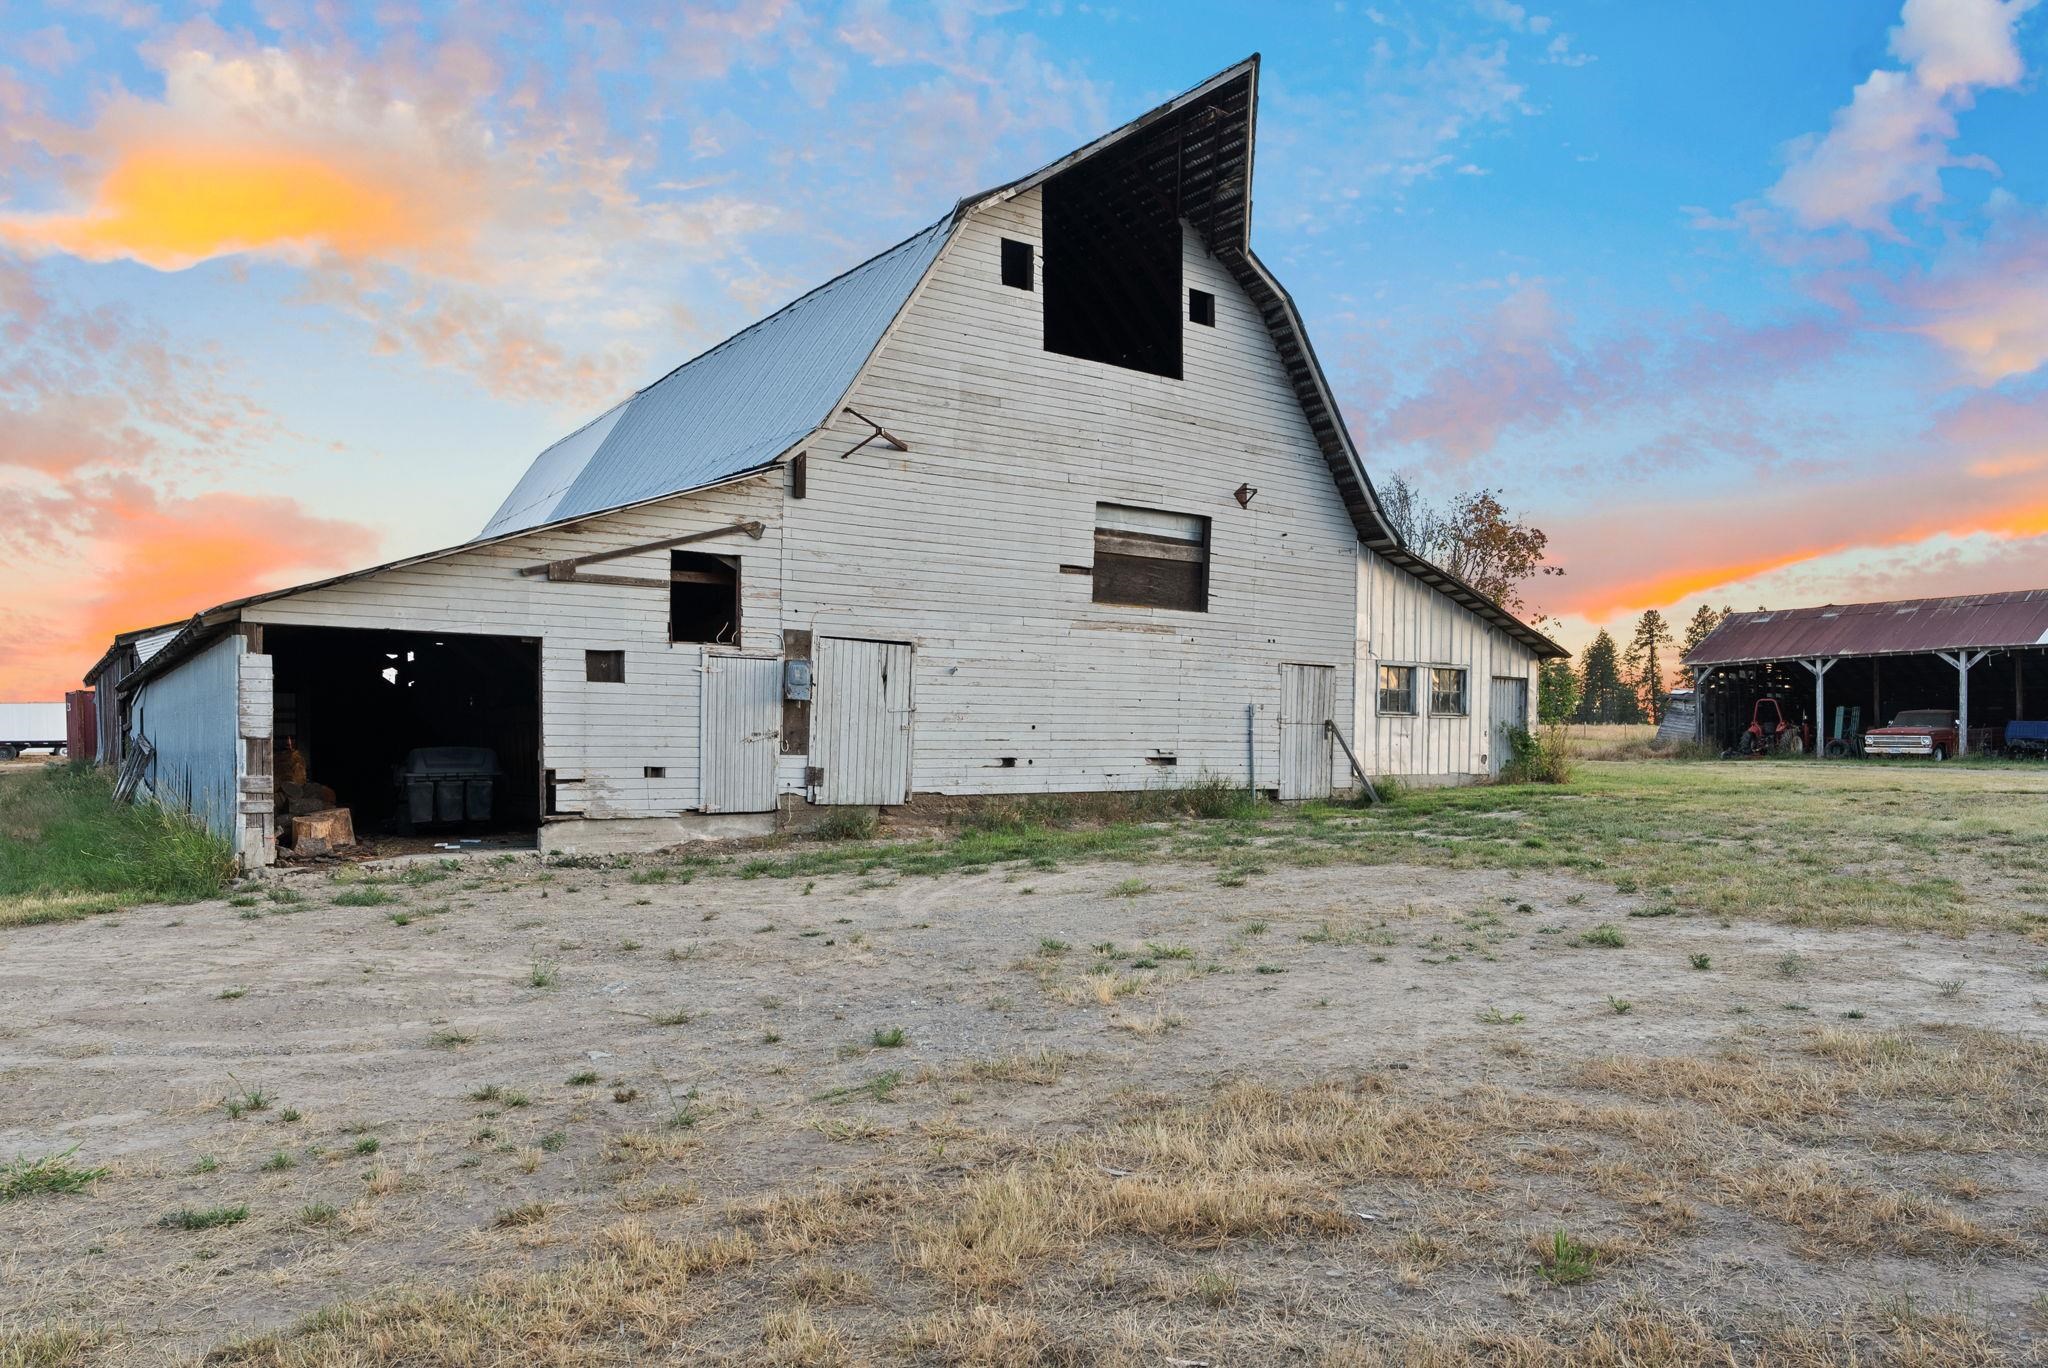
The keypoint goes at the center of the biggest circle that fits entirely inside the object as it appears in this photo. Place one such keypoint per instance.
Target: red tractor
(1772, 732)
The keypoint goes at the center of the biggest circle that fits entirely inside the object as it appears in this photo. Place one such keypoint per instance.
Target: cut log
(299, 799)
(331, 829)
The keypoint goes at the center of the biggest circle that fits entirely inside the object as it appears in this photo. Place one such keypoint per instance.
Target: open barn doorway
(361, 708)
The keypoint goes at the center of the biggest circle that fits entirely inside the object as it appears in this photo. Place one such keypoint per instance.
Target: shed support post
(1819, 668)
(1699, 702)
(1963, 660)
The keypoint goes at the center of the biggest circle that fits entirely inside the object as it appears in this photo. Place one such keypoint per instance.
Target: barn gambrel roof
(756, 397)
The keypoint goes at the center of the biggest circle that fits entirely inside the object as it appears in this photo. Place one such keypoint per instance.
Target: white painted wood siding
(1402, 621)
(599, 737)
(957, 544)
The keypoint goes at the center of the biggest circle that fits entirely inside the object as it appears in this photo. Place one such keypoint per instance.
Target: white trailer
(26, 726)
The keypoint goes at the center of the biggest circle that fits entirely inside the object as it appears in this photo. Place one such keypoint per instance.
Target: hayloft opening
(1147, 558)
(703, 598)
(432, 733)
(1112, 268)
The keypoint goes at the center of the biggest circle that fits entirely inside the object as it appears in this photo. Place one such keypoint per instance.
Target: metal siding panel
(742, 722)
(735, 407)
(189, 715)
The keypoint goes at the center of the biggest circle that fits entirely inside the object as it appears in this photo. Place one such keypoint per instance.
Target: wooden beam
(554, 570)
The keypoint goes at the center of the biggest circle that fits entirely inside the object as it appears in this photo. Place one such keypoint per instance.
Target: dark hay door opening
(356, 703)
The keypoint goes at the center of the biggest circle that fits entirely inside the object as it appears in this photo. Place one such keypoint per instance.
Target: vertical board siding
(190, 715)
(742, 723)
(1402, 621)
(861, 737)
(1306, 707)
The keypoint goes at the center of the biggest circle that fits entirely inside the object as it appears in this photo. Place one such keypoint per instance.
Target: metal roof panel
(1897, 627)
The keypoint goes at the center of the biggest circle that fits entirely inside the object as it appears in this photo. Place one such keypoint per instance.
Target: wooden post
(1819, 669)
(1699, 702)
(1963, 660)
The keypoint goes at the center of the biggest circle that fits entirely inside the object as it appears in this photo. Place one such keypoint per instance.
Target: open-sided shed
(1985, 656)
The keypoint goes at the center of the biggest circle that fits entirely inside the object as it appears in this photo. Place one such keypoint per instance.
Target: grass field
(67, 850)
(1677, 1064)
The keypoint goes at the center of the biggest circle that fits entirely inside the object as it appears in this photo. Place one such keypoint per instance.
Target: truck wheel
(8, 752)
(1940, 754)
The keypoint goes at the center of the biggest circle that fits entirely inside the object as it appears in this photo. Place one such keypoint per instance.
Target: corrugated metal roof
(1900, 627)
(149, 643)
(735, 408)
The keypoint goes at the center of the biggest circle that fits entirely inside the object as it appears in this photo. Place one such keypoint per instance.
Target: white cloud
(1891, 142)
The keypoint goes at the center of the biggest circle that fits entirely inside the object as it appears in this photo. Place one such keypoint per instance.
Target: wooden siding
(964, 546)
(1402, 621)
(958, 544)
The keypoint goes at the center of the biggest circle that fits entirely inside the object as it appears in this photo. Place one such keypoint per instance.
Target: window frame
(1133, 545)
(1380, 679)
(597, 665)
(1464, 708)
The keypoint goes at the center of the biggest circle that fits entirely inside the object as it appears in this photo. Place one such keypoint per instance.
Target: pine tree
(1704, 621)
(1647, 651)
(1602, 695)
(1557, 699)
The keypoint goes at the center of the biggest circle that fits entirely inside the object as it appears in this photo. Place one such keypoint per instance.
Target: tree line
(1614, 683)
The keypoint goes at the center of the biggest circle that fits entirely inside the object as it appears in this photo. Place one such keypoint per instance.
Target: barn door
(1307, 695)
(740, 724)
(860, 735)
(1510, 709)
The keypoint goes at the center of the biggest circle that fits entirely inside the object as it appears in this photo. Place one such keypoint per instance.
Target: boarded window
(1016, 264)
(703, 598)
(1151, 559)
(604, 667)
(1202, 308)
(1397, 688)
(1447, 692)
(1112, 266)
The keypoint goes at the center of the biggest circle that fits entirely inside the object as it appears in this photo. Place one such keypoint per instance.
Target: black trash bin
(447, 786)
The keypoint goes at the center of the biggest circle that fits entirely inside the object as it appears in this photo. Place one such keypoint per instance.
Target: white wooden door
(740, 725)
(1307, 696)
(1510, 702)
(860, 731)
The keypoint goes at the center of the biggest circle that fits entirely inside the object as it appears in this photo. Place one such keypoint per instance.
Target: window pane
(1397, 688)
(1447, 691)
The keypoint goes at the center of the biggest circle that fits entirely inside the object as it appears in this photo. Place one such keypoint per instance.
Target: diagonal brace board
(564, 571)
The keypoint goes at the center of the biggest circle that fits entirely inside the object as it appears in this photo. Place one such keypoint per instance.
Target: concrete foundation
(638, 835)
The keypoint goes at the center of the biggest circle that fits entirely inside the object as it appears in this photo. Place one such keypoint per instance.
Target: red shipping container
(81, 724)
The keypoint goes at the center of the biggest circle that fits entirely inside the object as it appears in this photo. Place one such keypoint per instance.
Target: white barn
(1052, 496)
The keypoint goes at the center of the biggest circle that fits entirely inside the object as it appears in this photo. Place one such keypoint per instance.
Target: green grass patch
(23, 1177)
(68, 850)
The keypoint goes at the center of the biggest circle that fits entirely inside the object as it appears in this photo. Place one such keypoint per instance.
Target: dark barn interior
(2004, 686)
(356, 702)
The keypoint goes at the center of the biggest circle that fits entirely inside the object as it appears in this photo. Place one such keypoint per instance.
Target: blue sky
(1741, 303)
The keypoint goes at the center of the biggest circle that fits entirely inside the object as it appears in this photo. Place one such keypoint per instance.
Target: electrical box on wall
(796, 681)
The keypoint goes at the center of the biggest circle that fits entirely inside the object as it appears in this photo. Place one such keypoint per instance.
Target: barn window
(1150, 559)
(1202, 308)
(604, 667)
(1397, 688)
(1112, 267)
(703, 598)
(1447, 692)
(1016, 264)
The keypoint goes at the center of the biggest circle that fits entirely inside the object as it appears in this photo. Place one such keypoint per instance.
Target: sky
(1742, 303)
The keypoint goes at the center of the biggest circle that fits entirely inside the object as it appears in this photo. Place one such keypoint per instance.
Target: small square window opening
(1447, 692)
(654, 771)
(604, 667)
(1017, 264)
(703, 598)
(1397, 688)
(1202, 308)
(1149, 558)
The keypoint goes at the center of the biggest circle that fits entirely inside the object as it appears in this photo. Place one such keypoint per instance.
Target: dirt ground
(1781, 1141)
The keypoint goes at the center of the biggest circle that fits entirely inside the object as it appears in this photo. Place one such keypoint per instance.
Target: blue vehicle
(2027, 738)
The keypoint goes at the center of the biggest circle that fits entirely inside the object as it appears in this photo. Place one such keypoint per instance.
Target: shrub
(1534, 759)
(848, 824)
